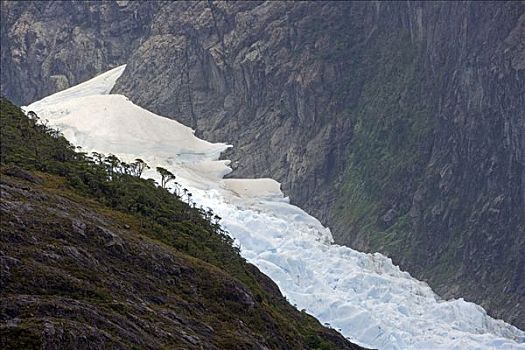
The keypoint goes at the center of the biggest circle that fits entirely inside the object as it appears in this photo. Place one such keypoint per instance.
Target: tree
(177, 189)
(112, 164)
(138, 167)
(55, 133)
(125, 168)
(209, 214)
(165, 176)
(33, 116)
(98, 157)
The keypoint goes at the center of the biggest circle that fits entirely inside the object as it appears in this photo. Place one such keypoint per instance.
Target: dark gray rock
(22, 174)
(48, 46)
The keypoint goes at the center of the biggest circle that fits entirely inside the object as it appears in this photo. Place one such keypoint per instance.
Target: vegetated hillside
(398, 124)
(93, 256)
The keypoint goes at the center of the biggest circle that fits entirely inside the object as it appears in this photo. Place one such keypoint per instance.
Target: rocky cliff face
(50, 46)
(400, 125)
(257, 75)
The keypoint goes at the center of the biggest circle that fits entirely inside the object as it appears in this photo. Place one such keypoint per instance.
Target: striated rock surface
(400, 125)
(48, 46)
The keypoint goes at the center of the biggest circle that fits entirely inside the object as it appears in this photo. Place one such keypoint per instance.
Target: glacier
(364, 296)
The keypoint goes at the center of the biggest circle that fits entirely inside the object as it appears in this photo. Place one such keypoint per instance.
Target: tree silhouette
(98, 157)
(33, 116)
(125, 168)
(165, 176)
(112, 164)
(177, 189)
(138, 167)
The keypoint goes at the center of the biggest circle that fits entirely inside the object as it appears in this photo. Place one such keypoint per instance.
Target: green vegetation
(390, 138)
(208, 289)
(32, 145)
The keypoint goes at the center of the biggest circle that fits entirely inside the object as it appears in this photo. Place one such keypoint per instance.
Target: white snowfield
(364, 296)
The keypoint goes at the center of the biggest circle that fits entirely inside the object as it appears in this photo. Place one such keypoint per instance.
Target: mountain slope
(52, 45)
(399, 125)
(364, 296)
(90, 261)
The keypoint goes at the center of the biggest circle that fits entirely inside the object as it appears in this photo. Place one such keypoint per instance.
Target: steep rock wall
(48, 46)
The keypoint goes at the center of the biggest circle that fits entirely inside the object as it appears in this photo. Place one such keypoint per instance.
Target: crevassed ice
(364, 296)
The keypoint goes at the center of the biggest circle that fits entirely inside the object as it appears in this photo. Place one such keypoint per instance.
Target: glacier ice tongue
(364, 296)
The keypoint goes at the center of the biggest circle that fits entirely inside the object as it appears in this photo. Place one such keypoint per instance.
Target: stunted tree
(25, 124)
(32, 115)
(151, 181)
(165, 176)
(112, 164)
(44, 125)
(98, 158)
(177, 189)
(125, 168)
(209, 214)
(55, 133)
(138, 167)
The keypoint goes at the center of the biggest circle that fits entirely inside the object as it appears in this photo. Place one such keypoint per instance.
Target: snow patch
(254, 188)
